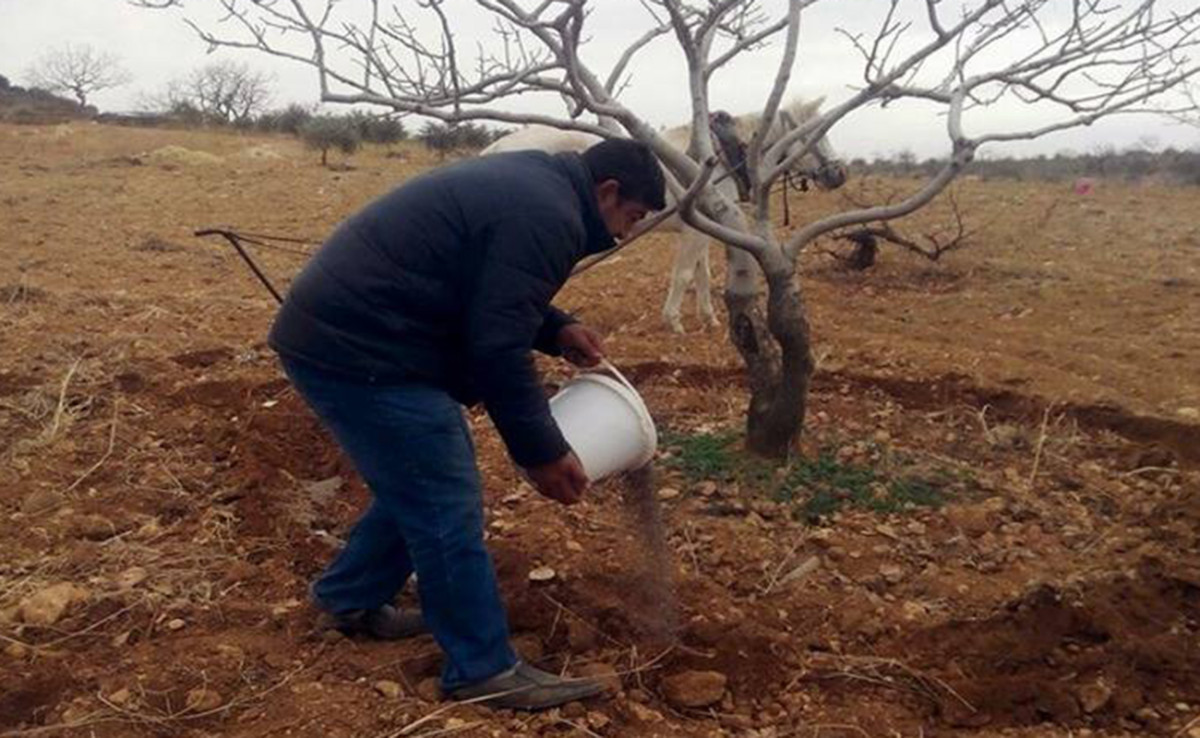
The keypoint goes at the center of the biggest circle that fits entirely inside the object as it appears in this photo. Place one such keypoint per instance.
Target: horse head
(821, 164)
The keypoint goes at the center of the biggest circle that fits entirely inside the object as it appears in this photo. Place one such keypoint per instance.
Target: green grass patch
(705, 455)
(815, 487)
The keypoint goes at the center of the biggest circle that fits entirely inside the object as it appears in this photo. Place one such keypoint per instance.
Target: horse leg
(692, 245)
(704, 288)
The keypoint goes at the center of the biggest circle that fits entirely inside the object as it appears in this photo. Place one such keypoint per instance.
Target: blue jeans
(412, 446)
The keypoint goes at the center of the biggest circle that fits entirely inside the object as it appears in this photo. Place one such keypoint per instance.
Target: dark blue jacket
(447, 280)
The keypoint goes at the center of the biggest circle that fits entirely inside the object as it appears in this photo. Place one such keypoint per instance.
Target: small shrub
(499, 133)
(331, 132)
(438, 137)
(187, 113)
(447, 138)
(268, 122)
(472, 136)
(285, 120)
(293, 118)
(378, 129)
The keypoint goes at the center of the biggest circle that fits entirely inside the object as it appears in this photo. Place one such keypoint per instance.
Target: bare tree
(224, 91)
(79, 70)
(931, 243)
(1077, 62)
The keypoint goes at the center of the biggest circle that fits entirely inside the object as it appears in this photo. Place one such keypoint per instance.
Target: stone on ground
(693, 689)
(388, 688)
(203, 699)
(48, 605)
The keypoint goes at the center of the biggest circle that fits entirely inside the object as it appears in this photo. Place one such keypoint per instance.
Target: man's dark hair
(634, 167)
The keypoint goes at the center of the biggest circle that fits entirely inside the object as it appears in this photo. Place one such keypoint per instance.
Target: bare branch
(618, 70)
(937, 243)
(806, 235)
(879, 88)
(760, 193)
(934, 21)
(748, 43)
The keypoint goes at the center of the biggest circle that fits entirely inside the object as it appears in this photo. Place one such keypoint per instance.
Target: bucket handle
(608, 366)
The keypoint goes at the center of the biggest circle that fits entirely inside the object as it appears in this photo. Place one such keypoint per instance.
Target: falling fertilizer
(608, 426)
(656, 611)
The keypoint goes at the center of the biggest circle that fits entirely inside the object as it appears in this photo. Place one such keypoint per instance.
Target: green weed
(815, 487)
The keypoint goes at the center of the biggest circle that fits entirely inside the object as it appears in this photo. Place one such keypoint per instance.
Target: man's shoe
(526, 688)
(385, 623)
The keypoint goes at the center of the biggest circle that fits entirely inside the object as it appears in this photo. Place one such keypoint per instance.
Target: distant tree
(472, 136)
(377, 129)
(446, 138)
(186, 113)
(386, 131)
(906, 161)
(1184, 166)
(268, 121)
(439, 137)
(325, 132)
(79, 70)
(285, 120)
(4, 83)
(223, 92)
(293, 117)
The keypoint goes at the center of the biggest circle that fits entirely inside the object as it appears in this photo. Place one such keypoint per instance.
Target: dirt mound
(176, 156)
(203, 358)
(1096, 653)
(265, 152)
(939, 392)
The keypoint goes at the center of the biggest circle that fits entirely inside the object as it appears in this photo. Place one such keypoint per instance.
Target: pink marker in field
(1084, 186)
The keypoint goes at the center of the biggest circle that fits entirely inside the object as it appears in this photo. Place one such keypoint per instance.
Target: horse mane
(800, 109)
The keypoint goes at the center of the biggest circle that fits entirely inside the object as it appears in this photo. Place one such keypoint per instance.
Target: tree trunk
(865, 250)
(777, 355)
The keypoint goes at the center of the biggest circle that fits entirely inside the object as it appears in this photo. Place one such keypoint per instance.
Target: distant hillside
(19, 105)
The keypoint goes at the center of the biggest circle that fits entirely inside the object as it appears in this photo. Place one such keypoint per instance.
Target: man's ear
(609, 189)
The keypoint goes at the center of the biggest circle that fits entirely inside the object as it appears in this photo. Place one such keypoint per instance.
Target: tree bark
(778, 357)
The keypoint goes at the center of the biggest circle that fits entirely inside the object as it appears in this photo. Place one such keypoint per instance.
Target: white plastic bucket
(606, 423)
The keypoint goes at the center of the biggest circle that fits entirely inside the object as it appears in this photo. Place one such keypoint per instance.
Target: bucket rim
(631, 396)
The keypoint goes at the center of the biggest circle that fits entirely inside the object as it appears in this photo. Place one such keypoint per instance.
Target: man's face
(620, 215)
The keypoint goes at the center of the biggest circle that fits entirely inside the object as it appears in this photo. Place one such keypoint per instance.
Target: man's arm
(524, 265)
(546, 340)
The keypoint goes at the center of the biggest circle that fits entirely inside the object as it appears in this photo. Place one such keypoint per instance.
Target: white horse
(692, 267)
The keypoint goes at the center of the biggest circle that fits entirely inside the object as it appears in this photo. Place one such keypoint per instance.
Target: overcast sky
(157, 47)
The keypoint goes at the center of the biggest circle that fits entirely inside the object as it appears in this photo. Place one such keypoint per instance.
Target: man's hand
(563, 480)
(581, 345)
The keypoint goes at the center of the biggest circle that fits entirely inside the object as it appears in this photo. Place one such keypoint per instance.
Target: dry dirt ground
(166, 498)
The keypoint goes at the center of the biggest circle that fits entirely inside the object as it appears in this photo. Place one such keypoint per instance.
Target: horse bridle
(797, 178)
